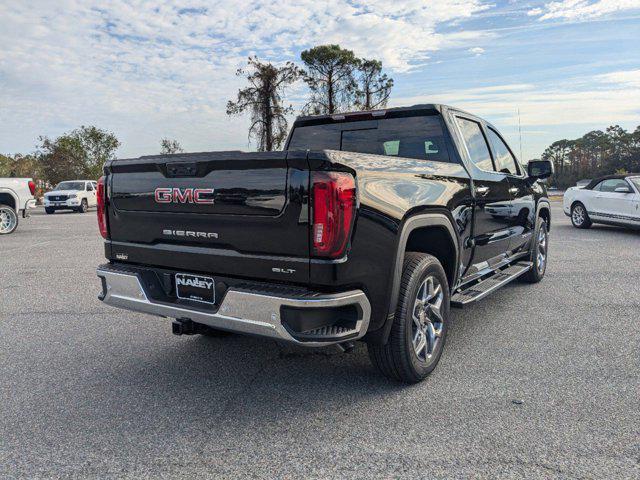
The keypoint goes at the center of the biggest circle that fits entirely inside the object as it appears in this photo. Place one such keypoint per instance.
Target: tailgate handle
(181, 169)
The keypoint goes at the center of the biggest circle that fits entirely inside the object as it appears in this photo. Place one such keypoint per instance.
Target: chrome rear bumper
(242, 311)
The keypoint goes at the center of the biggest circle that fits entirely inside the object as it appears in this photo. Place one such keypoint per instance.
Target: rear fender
(435, 219)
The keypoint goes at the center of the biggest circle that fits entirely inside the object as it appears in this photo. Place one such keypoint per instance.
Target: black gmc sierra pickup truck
(368, 226)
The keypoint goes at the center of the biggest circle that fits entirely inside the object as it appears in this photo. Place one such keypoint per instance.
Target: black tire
(579, 216)
(9, 220)
(49, 210)
(84, 206)
(397, 359)
(539, 253)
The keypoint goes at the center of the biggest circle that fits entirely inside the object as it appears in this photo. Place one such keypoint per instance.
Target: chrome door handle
(514, 190)
(482, 190)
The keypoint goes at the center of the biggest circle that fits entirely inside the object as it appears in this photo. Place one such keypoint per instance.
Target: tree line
(79, 154)
(594, 154)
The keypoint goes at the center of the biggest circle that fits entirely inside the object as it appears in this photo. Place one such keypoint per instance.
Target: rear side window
(411, 137)
(505, 161)
(476, 143)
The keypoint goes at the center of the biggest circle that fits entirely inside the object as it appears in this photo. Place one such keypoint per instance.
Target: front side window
(611, 185)
(476, 143)
(505, 161)
(636, 182)
(89, 187)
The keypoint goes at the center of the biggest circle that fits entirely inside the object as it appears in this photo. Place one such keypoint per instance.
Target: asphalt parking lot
(535, 381)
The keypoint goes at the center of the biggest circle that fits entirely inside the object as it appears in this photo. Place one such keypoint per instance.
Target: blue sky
(147, 70)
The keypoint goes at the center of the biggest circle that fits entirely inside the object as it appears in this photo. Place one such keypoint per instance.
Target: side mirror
(540, 169)
(622, 190)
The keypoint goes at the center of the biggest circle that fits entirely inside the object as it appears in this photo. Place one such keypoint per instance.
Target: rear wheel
(579, 216)
(420, 324)
(8, 220)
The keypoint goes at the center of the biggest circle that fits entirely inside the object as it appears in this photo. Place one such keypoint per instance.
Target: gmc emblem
(201, 196)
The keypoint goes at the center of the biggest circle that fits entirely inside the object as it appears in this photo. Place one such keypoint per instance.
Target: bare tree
(263, 100)
(168, 146)
(374, 87)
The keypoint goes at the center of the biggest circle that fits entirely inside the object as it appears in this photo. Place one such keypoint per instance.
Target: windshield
(635, 181)
(70, 186)
(419, 137)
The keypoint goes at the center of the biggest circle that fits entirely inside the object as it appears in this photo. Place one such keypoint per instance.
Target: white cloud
(150, 69)
(582, 9)
(477, 51)
(586, 102)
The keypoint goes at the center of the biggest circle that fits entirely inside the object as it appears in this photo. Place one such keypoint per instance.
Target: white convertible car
(614, 199)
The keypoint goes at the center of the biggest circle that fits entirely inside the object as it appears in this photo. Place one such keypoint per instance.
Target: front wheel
(8, 220)
(579, 216)
(420, 323)
(49, 210)
(84, 206)
(539, 253)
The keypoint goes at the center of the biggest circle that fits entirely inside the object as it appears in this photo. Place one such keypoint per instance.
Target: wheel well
(435, 241)
(546, 215)
(6, 199)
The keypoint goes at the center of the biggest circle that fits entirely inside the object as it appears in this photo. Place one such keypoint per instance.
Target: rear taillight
(101, 198)
(32, 187)
(334, 204)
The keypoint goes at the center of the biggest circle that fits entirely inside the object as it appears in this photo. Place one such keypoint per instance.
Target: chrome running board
(477, 291)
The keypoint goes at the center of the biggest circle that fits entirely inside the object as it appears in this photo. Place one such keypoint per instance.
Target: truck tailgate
(228, 213)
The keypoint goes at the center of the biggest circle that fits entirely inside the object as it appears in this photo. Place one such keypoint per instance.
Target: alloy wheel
(8, 220)
(578, 215)
(541, 260)
(427, 318)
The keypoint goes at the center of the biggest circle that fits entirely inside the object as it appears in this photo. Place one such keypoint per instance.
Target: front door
(616, 206)
(523, 204)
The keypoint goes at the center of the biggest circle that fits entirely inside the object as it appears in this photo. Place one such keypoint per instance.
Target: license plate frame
(195, 288)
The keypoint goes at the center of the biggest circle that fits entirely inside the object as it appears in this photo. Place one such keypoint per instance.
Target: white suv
(77, 195)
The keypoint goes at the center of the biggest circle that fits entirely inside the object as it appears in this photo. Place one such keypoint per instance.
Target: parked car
(614, 199)
(16, 198)
(369, 226)
(76, 195)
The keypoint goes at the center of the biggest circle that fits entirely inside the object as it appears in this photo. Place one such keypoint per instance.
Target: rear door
(493, 207)
(224, 212)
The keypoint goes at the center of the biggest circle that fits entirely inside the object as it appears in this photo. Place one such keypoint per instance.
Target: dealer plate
(196, 288)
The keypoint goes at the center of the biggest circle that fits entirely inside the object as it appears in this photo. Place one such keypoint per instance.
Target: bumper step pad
(500, 278)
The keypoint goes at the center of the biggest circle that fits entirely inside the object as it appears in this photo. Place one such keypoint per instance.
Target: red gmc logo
(184, 195)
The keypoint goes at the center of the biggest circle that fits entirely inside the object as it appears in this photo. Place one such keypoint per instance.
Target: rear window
(412, 137)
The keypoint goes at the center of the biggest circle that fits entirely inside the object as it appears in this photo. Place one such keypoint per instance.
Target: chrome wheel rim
(541, 260)
(428, 320)
(578, 215)
(8, 220)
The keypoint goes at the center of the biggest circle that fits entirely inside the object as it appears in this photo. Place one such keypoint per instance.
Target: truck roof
(424, 108)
